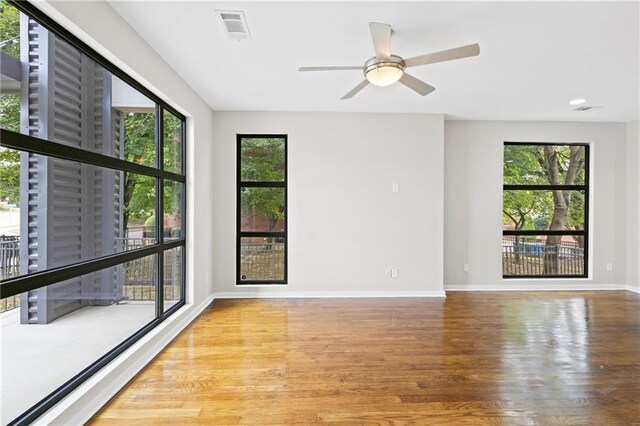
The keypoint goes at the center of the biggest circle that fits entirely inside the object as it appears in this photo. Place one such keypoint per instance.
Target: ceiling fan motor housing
(394, 61)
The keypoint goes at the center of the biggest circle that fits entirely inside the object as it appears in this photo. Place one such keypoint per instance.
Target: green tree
(9, 158)
(562, 168)
(139, 147)
(9, 29)
(9, 175)
(263, 159)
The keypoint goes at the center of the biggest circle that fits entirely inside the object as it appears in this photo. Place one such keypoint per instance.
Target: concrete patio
(37, 359)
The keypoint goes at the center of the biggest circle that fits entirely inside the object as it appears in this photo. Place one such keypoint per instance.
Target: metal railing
(9, 267)
(136, 278)
(532, 256)
(9, 41)
(262, 260)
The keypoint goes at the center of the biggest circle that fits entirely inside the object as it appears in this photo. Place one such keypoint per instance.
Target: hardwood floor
(472, 359)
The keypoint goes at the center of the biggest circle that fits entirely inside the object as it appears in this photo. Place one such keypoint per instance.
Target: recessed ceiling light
(578, 101)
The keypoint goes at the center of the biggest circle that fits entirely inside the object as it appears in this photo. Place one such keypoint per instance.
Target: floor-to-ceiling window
(92, 211)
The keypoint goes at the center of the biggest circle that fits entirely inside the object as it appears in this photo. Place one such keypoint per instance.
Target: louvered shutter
(67, 218)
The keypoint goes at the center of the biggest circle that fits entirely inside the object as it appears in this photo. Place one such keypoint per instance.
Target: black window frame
(584, 188)
(26, 143)
(260, 184)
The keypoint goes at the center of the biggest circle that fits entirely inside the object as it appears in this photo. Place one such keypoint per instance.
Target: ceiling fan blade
(416, 85)
(355, 90)
(330, 68)
(381, 35)
(444, 55)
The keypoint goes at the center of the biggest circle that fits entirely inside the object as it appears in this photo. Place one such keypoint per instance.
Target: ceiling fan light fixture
(385, 72)
(384, 75)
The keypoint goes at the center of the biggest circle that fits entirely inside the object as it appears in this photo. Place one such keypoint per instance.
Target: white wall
(473, 201)
(633, 206)
(345, 224)
(97, 24)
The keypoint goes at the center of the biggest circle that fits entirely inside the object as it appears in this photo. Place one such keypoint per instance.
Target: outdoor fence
(528, 256)
(9, 267)
(262, 260)
(136, 279)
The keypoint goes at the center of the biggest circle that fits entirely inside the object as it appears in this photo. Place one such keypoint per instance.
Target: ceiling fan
(385, 69)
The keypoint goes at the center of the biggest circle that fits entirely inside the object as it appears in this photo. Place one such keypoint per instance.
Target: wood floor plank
(518, 358)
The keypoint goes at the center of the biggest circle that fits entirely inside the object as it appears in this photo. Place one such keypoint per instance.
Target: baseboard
(516, 286)
(633, 288)
(325, 294)
(79, 406)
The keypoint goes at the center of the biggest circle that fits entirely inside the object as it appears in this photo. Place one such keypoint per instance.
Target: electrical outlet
(609, 267)
(387, 273)
(465, 267)
(395, 187)
(395, 273)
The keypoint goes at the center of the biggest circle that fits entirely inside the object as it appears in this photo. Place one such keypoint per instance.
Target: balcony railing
(138, 278)
(9, 267)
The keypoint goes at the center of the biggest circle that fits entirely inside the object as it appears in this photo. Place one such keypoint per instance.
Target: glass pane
(173, 209)
(543, 210)
(71, 99)
(261, 259)
(543, 255)
(262, 159)
(262, 209)
(87, 212)
(56, 331)
(172, 143)
(544, 164)
(173, 273)
(9, 30)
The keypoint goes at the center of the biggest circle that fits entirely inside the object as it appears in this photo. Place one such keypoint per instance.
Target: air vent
(234, 24)
(587, 108)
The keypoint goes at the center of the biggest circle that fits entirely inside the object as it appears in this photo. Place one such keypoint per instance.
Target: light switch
(395, 187)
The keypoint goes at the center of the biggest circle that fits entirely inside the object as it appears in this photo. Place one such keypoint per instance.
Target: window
(92, 208)
(262, 209)
(545, 208)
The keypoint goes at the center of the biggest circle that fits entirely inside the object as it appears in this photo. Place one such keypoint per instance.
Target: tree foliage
(139, 147)
(543, 165)
(263, 159)
(9, 158)
(9, 175)
(9, 29)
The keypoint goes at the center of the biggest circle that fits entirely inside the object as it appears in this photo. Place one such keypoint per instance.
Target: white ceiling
(534, 56)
